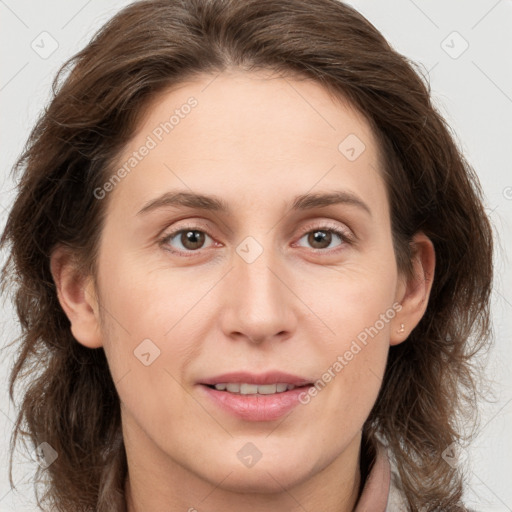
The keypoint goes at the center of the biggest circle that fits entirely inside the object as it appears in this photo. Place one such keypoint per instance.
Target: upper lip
(273, 377)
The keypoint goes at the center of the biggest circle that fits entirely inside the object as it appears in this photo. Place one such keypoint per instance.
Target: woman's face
(265, 285)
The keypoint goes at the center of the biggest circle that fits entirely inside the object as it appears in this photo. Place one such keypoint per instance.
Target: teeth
(253, 389)
(267, 389)
(247, 389)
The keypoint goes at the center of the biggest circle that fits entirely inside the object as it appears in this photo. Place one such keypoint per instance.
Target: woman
(285, 147)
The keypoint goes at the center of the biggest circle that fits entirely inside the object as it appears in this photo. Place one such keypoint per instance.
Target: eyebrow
(216, 204)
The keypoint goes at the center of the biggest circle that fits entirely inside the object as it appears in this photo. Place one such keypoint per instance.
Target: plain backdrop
(464, 49)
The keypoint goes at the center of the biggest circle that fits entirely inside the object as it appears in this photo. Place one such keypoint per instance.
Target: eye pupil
(193, 237)
(320, 237)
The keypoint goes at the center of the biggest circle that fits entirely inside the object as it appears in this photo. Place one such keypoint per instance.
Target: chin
(266, 480)
(269, 476)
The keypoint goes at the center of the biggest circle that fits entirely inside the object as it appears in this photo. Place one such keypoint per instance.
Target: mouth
(245, 383)
(245, 388)
(250, 397)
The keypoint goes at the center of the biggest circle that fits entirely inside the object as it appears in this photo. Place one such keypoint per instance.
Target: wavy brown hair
(68, 397)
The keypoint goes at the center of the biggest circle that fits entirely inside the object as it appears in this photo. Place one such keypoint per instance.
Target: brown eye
(321, 238)
(190, 240)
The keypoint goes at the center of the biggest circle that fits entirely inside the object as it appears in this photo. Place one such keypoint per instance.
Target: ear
(413, 293)
(77, 297)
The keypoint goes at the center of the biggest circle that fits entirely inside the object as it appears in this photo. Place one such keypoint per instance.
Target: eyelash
(343, 235)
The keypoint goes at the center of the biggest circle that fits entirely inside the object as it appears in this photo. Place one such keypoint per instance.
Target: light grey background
(472, 88)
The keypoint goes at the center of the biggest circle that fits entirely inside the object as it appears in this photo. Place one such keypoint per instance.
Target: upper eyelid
(327, 225)
(320, 224)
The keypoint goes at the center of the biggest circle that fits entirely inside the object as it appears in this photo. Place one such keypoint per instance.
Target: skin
(256, 141)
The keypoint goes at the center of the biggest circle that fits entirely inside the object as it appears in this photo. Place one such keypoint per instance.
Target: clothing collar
(375, 493)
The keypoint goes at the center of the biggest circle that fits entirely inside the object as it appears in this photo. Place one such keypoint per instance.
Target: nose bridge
(256, 265)
(259, 303)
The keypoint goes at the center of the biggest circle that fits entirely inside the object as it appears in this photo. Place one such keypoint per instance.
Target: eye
(190, 239)
(321, 237)
(186, 241)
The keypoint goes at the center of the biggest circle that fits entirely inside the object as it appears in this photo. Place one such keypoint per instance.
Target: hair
(69, 398)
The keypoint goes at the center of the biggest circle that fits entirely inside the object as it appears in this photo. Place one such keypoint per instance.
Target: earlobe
(414, 292)
(77, 298)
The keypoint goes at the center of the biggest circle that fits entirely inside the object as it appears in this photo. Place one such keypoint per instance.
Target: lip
(272, 377)
(256, 407)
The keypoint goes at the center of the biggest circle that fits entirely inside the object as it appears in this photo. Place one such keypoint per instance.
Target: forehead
(258, 102)
(248, 131)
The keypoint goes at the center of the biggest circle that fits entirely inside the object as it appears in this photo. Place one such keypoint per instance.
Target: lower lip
(256, 407)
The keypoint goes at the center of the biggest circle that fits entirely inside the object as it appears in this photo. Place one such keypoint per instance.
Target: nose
(259, 304)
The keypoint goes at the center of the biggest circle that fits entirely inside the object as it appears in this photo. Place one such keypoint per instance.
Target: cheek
(148, 301)
(356, 311)
(350, 300)
(147, 343)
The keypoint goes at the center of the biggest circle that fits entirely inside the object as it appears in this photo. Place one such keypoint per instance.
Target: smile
(253, 389)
